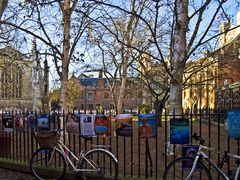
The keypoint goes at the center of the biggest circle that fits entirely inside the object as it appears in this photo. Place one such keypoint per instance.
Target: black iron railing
(137, 157)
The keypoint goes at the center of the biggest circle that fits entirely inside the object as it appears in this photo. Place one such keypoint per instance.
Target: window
(81, 95)
(90, 96)
(90, 106)
(11, 83)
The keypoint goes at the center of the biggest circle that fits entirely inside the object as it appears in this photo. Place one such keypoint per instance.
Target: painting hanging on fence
(87, 125)
(233, 124)
(19, 122)
(123, 125)
(147, 125)
(102, 125)
(179, 131)
(7, 122)
(31, 120)
(189, 151)
(43, 122)
(72, 124)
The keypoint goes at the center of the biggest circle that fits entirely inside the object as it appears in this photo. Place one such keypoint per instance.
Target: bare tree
(57, 26)
(178, 29)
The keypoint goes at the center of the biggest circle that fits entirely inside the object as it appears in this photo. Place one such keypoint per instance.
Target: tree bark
(3, 5)
(66, 52)
(179, 57)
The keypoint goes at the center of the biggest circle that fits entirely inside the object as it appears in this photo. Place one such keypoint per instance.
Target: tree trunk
(179, 58)
(3, 5)
(66, 52)
(121, 94)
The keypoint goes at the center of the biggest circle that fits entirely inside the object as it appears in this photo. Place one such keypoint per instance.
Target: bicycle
(50, 161)
(186, 168)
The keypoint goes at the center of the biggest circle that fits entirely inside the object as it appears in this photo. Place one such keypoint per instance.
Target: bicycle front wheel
(47, 163)
(99, 163)
(181, 167)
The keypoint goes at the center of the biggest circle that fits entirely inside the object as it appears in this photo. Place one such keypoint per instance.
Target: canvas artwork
(19, 122)
(102, 125)
(31, 119)
(147, 125)
(189, 151)
(179, 131)
(233, 124)
(7, 122)
(123, 125)
(43, 122)
(72, 124)
(87, 125)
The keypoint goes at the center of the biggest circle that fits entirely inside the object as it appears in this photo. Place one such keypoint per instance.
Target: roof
(91, 81)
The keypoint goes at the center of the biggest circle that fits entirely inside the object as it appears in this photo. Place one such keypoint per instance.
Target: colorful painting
(189, 151)
(19, 122)
(8, 122)
(123, 125)
(147, 125)
(72, 124)
(32, 121)
(102, 125)
(43, 122)
(179, 131)
(233, 124)
(87, 125)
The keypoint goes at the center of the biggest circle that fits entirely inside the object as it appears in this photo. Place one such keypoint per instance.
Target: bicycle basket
(47, 139)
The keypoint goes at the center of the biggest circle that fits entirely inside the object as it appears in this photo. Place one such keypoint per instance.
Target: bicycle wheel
(104, 163)
(181, 167)
(48, 164)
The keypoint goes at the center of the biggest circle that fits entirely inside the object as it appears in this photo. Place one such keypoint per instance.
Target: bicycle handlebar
(57, 131)
(198, 138)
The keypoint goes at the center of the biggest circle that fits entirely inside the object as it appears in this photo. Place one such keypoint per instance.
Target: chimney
(224, 27)
(238, 18)
(100, 75)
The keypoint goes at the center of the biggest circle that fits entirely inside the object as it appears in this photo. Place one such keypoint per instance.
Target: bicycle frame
(200, 154)
(65, 150)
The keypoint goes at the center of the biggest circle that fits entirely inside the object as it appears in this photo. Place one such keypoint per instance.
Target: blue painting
(233, 124)
(31, 119)
(189, 151)
(147, 125)
(179, 131)
(43, 122)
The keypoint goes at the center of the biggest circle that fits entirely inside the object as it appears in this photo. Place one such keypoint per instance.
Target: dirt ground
(131, 152)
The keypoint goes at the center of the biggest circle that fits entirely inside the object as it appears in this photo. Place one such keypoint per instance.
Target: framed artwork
(233, 124)
(179, 131)
(32, 121)
(7, 122)
(189, 151)
(123, 125)
(102, 125)
(147, 125)
(87, 125)
(72, 124)
(19, 122)
(43, 122)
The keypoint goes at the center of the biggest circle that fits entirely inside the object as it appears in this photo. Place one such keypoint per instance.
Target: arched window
(90, 96)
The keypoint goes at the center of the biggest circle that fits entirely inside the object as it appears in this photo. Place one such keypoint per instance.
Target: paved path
(14, 175)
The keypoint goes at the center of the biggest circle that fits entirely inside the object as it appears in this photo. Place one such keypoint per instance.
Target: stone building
(217, 70)
(19, 81)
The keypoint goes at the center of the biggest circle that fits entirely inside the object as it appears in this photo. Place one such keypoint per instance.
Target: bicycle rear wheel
(105, 164)
(181, 167)
(48, 164)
